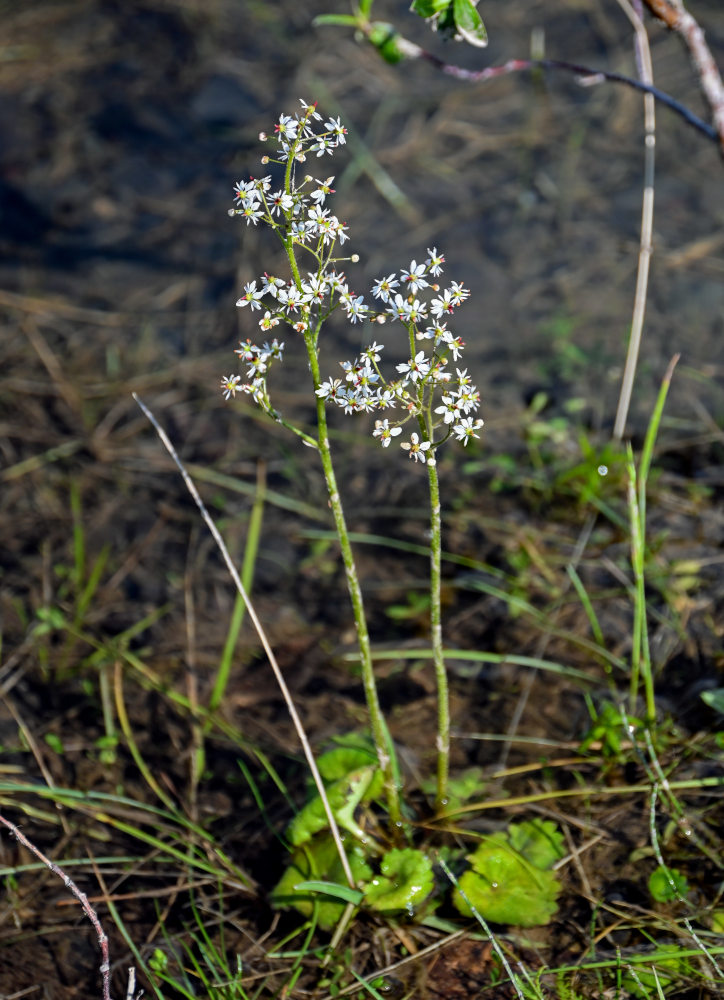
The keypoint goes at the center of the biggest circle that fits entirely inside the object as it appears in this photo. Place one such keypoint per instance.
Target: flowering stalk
(443, 699)
(297, 214)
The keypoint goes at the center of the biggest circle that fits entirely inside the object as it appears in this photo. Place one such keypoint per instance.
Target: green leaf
(464, 786)
(505, 887)
(333, 889)
(609, 728)
(539, 841)
(318, 861)
(158, 962)
(343, 19)
(714, 699)
(429, 8)
(344, 796)
(469, 24)
(657, 969)
(343, 760)
(405, 882)
(667, 884)
(54, 742)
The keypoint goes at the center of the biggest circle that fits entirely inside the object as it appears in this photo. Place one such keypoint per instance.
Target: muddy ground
(124, 126)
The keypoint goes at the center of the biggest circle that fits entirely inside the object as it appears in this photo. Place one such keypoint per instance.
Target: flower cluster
(297, 213)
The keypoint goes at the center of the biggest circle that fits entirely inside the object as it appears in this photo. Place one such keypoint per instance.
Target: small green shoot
(611, 729)
(667, 884)
(455, 18)
(657, 972)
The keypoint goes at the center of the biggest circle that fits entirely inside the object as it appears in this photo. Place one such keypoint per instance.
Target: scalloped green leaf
(469, 23)
(538, 840)
(338, 763)
(344, 797)
(505, 887)
(405, 882)
(318, 861)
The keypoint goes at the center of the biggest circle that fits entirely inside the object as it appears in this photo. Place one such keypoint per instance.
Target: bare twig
(515, 65)
(410, 50)
(675, 16)
(80, 896)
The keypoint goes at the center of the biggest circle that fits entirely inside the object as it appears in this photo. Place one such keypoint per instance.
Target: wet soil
(124, 126)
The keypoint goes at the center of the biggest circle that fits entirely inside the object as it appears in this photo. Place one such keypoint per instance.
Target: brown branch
(80, 896)
(676, 17)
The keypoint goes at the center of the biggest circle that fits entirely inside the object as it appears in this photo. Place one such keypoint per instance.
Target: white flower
(372, 353)
(268, 321)
(337, 129)
(384, 432)
(331, 389)
(355, 308)
(406, 311)
(434, 261)
(251, 296)
(450, 409)
(286, 127)
(316, 287)
(301, 230)
(384, 287)
(458, 293)
(414, 278)
(257, 367)
(275, 350)
(469, 399)
(246, 191)
(323, 190)
(442, 304)
(280, 202)
(246, 350)
(311, 109)
(271, 284)
(456, 345)
(416, 368)
(322, 146)
(466, 429)
(291, 298)
(230, 385)
(250, 212)
(418, 449)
